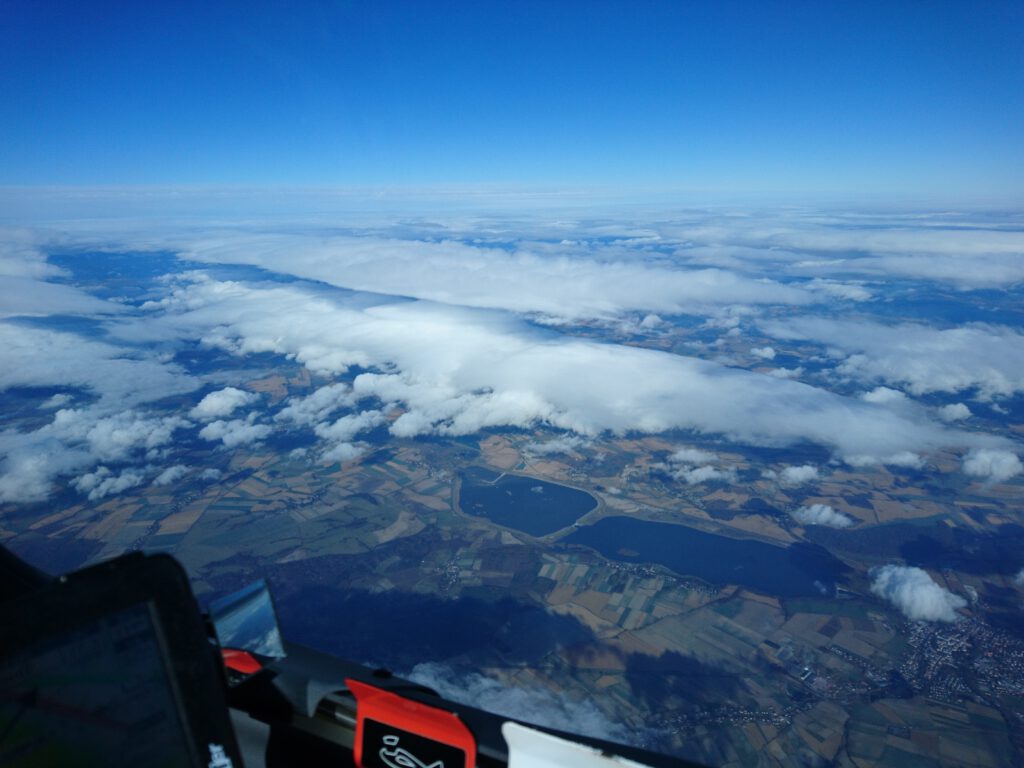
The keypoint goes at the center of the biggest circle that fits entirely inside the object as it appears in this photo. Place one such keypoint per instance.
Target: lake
(527, 504)
(795, 571)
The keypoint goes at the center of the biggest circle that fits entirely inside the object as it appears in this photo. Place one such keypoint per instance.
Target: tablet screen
(97, 694)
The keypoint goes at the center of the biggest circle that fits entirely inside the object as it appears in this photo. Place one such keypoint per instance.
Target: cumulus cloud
(651, 321)
(531, 705)
(993, 465)
(347, 427)
(235, 432)
(799, 475)
(221, 403)
(954, 412)
(765, 353)
(821, 514)
(694, 466)
(171, 475)
(118, 437)
(103, 482)
(692, 456)
(884, 395)
(706, 474)
(31, 462)
(315, 408)
(915, 593)
(342, 452)
(557, 445)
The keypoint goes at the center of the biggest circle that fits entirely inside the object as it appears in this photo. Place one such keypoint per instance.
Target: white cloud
(884, 395)
(804, 473)
(706, 474)
(171, 475)
(122, 377)
(692, 466)
(314, 408)
(23, 287)
(821, 514)
(342, 452)
(118, 437)
(765, 353)
(103, 482)
(915, 593)
(954, 412)
(26, 296)
(31, 462)
(692, 456)
(991, 464)
(56, 401)
(1019, 578)
(75, 440)
(221, 403)
(347, 427)
(21, 257)
(916, 357)
(841, 290)
(455, 371)
(651, 321)
(235, 432)
(531, 705)
(557, 445)
(526, 281)
(210, 474)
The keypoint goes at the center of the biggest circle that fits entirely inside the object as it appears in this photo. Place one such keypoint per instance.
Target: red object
(411, 716)
(240, 661)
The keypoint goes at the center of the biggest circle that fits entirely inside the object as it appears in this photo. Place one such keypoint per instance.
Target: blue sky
(797, 98)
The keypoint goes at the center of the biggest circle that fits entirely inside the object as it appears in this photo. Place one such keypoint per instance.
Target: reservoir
(795, 571)
(527, 504)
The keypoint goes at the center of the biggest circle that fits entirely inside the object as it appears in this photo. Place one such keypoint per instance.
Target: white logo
(398, 757)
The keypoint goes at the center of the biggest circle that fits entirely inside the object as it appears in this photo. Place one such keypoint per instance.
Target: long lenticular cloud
(456, 371)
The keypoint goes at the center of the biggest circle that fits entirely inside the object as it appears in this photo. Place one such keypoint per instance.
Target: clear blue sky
(794, 96)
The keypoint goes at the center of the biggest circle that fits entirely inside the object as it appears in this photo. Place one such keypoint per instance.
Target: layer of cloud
(531, 705)
(821, 514)
(472, 276)
(915, 593)
(919, 358)
(456, 371)
(120, 376)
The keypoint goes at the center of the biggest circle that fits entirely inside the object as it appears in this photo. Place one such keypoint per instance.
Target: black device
(112, 666)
